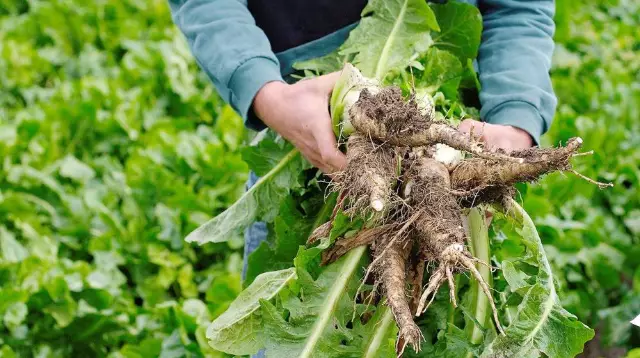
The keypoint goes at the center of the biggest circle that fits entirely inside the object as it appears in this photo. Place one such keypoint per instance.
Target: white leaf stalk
(346, 93)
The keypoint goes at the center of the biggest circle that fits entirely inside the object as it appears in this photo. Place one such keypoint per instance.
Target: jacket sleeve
(229, 47)
(514, 62)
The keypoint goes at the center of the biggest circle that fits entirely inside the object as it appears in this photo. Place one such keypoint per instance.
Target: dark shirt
(290, 23)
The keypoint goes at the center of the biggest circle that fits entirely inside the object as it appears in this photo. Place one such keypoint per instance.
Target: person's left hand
(497, 136)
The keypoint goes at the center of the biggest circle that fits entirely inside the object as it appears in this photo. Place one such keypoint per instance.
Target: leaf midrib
(381, 331)
(549, 303)
(386, 49)
(329, 306)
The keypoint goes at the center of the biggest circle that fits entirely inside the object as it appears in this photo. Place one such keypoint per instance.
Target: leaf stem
(347, 270)
(381, 332)
(480, 249)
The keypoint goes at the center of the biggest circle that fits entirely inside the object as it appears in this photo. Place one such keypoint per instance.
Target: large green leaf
(391, 34)
(319, 312)
(540, 323)
(311, 328)
(279, 165)
(238, 330)
(460, 28)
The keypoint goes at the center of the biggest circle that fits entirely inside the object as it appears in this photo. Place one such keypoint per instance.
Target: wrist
(267, 98)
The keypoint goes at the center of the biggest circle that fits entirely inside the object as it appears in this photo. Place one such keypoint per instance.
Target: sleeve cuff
(520, 115)
(247, 79)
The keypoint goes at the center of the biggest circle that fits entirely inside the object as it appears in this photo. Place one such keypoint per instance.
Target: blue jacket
(513, 61)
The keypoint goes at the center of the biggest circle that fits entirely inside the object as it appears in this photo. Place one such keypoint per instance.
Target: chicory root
(412, 197)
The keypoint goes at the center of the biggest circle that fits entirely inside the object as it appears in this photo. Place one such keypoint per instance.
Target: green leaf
(224, 289)
(540, 324)
(262, 200)
(318, 313)
(74, 169)
(12, 250)
(15, 315)
(460, 29)
(634, 353)
(440, 68)
(238, 330)
(7, 352)
(317, 322)
(149, 347)
(390, 35)
(172, 346)
(379, 334)
(614, 321)
(321, 65)
(291, 229)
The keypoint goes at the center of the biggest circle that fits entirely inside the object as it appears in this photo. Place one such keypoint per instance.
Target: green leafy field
(115, 146)
(593, 236)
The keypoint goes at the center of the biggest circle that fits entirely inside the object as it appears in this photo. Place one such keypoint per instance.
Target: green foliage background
(114, 146)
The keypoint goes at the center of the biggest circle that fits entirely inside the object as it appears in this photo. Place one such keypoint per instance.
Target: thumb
(473, 127)
(327, 146)
(326, 82)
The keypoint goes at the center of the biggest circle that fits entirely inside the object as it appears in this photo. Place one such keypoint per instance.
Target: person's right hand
(300, 113)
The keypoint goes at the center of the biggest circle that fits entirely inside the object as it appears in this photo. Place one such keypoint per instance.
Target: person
(247, 48)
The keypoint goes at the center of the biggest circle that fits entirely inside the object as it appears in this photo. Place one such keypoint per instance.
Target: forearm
(229, 47)
(514, 63)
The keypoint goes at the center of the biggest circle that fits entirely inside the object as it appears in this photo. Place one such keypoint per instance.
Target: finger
(466, 125)
(332, 158)
(315, 160)
(473, 128)
(330, 155)
(311, 152)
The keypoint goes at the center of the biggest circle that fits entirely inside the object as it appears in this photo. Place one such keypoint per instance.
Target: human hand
(498, 136)
(300, 113)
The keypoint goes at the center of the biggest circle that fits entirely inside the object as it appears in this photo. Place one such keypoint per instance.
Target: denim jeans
(253, 236)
